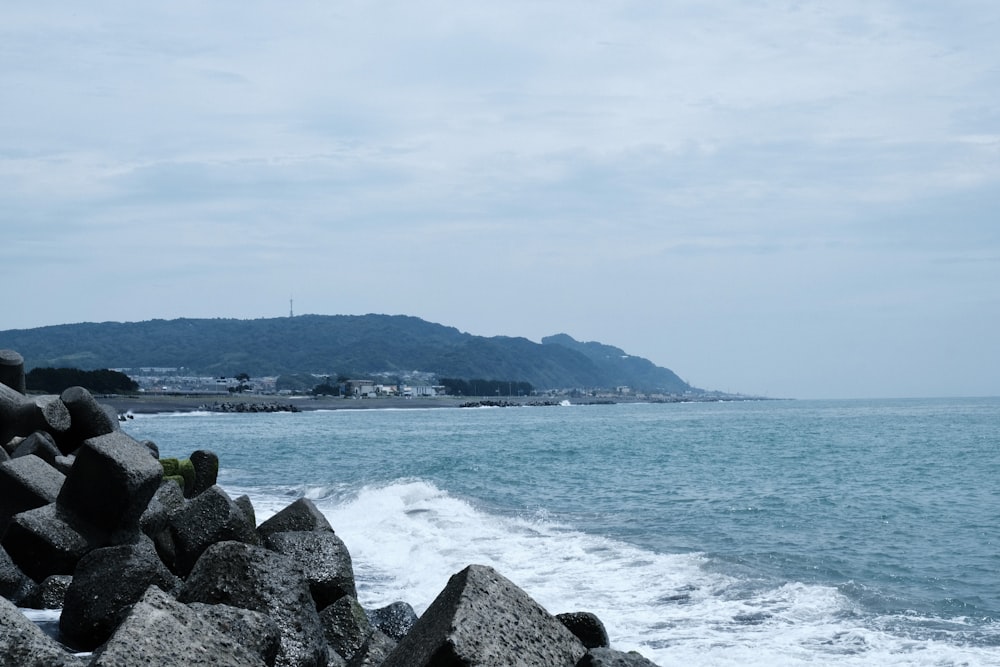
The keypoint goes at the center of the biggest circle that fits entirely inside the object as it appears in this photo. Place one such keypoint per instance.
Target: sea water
(750, 533)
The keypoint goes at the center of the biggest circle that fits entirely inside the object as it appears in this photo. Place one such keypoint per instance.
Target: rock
(23, 644)
(374, 651)
(44, 541)
(106, 583)
(208, 518)
(4, 455)
(395, 620)
(299, 515)
(606, 657)
(90, 419)
(345, 626)
(251, 629)
(153, 448)
(180, 470)
(160, 631)
(51, 415)
(64, 463)
(482, 618)
(10, 445)
(251, 577)
(39, 443)
(51, 593)
(245, 504)
(587, 627)
(155, 521)
(109, 486)
(15, 585)
(165, 503)
(324, 559)
(12, 370)
(26, 483)
(206, 471)
(21, 416)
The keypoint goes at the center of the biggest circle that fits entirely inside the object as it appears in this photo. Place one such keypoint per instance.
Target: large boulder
(107, 582)
(395, 620)
(210, 517)
(587, 627)
(482, 618)
(251, 577)
(15, 585)
(51, 593)
(45, 541)
(22, 416)
(160, 631)
(23, 644)
(345, 626)
(253, 630)
(206, 470)
(12, 370)
(39, 443)
(110, 485)
(301, 515)
(324, 559)
(26, 483)
(90, 419)
(165, 503)
(374, 651)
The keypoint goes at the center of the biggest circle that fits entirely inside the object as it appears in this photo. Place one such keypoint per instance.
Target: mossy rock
(176, 478)
(179, 468)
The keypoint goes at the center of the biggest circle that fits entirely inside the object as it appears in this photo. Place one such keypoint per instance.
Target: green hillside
(335, 344)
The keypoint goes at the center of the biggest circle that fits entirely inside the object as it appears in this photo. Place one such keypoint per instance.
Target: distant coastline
(168, 403)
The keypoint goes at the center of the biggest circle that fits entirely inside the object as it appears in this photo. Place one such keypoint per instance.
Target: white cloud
(694, 179)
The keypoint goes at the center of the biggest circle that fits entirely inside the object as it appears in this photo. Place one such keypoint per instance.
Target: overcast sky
(771, 197)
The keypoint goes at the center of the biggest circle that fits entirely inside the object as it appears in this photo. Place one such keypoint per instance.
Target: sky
(771, 197)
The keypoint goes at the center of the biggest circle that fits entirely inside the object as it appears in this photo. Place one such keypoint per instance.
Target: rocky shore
(153, 563)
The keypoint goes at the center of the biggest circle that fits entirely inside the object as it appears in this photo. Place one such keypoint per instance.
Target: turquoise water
(779, 532)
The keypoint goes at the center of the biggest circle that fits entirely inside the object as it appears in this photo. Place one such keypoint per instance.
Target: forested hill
(352, 345)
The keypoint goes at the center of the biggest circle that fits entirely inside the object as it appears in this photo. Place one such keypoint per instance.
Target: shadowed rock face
(587, 628)
(482, 618)
(23, 644)
(14, 584)
(28, 482)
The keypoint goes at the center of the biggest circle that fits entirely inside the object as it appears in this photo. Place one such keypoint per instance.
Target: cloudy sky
(776, 197)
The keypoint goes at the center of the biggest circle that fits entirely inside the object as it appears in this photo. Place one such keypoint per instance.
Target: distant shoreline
(166, 403)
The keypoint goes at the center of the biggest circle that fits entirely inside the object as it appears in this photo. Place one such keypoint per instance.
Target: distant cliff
(336, 344)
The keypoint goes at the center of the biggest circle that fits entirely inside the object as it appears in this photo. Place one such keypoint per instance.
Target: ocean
(736, 533)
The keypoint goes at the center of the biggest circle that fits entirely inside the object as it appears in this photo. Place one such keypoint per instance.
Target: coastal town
(173, 381)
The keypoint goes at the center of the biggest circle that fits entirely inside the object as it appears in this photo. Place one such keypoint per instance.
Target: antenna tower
(291, 313)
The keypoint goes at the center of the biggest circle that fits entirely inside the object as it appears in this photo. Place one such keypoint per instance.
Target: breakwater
(155, 568)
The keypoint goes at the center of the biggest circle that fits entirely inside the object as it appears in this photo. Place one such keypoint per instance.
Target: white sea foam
(408, 538)
(157, 415)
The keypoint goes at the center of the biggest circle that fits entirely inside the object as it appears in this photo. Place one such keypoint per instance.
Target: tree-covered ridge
(57, 380)
(347, 345)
